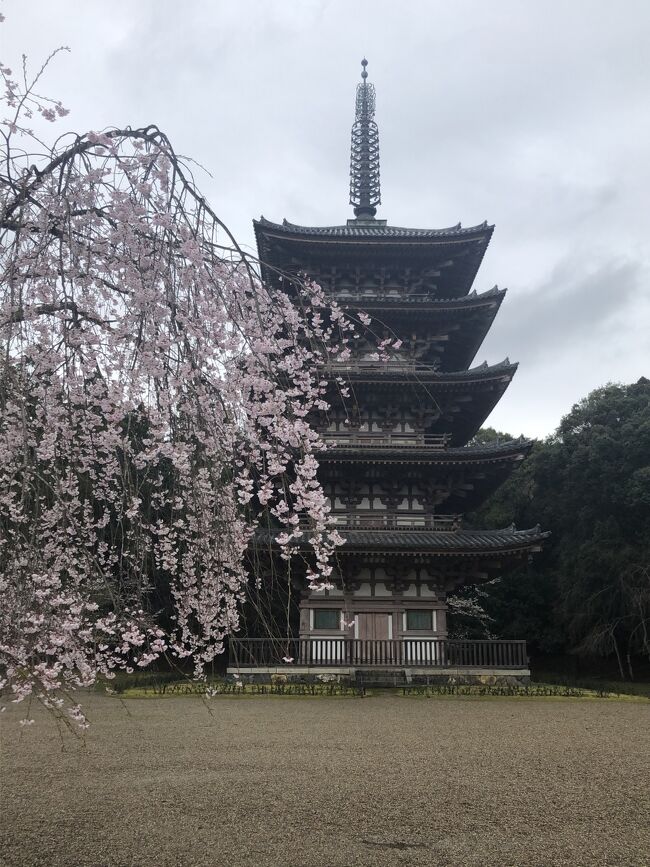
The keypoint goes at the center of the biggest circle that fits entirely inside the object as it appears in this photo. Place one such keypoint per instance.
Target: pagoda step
(378, 677)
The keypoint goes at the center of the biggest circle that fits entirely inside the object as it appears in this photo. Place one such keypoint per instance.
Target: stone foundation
(383, 677)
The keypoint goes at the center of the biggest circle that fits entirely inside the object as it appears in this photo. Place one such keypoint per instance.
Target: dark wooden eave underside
(443, 414)
(457, 328)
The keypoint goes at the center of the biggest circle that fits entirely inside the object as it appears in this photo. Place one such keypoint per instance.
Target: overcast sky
(532, 115)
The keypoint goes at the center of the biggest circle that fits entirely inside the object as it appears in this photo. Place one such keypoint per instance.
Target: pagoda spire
(364, 155)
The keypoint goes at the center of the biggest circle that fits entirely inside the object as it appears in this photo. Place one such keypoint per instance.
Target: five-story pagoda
(398, 469)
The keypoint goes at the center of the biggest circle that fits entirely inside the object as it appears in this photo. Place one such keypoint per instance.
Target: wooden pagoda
(398, 469)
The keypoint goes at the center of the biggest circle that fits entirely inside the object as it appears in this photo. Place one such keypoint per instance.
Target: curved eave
(502, 372)
(285, 249)
(488, 302)
(469, 456)
(463, 543)
(371, 232)
(466, 321)
(481, 388)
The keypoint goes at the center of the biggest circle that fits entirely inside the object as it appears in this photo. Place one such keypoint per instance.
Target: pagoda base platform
(390, 662)
(379, 675)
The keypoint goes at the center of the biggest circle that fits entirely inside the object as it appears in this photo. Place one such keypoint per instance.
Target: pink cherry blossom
(154, 397)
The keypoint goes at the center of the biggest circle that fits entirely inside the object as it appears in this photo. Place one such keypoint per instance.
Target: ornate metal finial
(364, 157)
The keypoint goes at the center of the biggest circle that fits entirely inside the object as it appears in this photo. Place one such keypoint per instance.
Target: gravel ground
(332, 782)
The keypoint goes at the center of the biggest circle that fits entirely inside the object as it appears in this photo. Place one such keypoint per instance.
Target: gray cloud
(531, 115)
(569, 311)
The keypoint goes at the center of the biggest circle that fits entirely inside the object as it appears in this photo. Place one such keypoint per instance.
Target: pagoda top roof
(373, 229)
(285, 249)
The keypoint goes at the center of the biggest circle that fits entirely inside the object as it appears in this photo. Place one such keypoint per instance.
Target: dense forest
(588, 592)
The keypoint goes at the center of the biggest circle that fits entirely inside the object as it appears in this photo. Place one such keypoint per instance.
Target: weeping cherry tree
(154, 397)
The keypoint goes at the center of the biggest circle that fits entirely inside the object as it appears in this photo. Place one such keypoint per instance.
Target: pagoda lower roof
(457, 326)
(419, 304)
(481, 542)
(385, 372)
(469, 396)
(475, 543)
(463, 456)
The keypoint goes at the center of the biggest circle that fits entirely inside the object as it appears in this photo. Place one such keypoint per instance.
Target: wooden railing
(378, 520)
(401, 652)
(369, 439)
(369, 294)
(374, 365)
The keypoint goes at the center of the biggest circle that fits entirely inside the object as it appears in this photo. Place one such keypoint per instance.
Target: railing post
(232, 652)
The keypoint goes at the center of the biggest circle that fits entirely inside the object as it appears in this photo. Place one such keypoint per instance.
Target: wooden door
(373, 625)
(373, 646)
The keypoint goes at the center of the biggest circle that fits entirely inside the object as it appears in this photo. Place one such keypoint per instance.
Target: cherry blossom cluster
(155, 400)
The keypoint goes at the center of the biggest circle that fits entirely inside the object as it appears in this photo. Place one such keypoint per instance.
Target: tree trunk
(618, 657)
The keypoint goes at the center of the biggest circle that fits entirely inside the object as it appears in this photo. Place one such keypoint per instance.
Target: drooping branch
(155, 403)
(20, 314)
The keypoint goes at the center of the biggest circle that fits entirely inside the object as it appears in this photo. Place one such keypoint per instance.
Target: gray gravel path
(335, 782)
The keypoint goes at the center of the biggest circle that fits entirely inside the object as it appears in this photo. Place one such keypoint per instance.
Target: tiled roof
(388, 302)
(491, 452)
(365, 229)
(460, 542)
(494, 449)
(285, 249)
(475, 541)
(383, 372)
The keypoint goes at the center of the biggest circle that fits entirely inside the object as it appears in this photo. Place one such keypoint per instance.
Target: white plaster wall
(411, 520)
